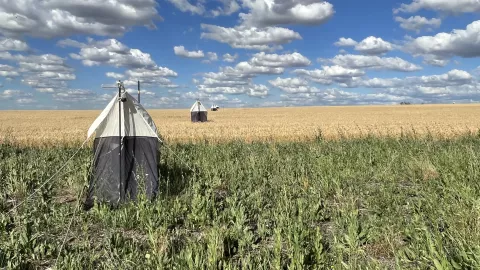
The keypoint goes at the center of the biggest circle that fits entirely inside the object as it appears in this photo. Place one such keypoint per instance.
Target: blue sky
(238, 53)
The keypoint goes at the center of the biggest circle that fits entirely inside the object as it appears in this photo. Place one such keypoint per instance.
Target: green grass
(351, 204)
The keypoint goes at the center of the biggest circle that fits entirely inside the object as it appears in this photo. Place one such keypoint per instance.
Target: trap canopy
(125, 152)
(198, 113)
(214, 107)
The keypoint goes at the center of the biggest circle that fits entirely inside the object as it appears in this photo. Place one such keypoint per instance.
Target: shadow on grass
(173, 179)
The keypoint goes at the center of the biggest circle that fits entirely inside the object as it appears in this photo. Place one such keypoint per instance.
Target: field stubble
(265, 124)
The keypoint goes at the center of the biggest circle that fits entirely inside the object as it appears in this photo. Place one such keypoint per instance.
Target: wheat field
(257, 124)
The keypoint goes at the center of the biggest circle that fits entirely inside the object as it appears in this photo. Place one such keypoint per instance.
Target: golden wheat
(259, 124)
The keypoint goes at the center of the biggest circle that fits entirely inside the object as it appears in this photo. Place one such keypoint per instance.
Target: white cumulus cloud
(373, 46)
(186, 6)
(448, 6)
(280, 60)
(59, 18)
(263, 39)
(10, 44)
(113, 53)
(345, 42)
(443, 46)
(114, 75)
(45, 73)
(229, 7)
(417, 23)
(211, 57)
(181, 51)
(293, 85)
(332, 74)
(276, 12)
(230, 58)
(374, 62)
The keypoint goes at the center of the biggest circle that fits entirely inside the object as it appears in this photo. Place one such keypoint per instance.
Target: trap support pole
(120, 136)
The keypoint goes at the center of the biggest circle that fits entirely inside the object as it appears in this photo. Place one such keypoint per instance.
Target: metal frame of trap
(121, 99)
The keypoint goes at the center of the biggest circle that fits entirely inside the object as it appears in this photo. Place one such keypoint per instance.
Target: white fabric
(135, 120)
(198, 107)
(101, 117)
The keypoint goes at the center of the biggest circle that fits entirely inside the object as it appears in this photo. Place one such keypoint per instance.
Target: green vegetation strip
(351, 204)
